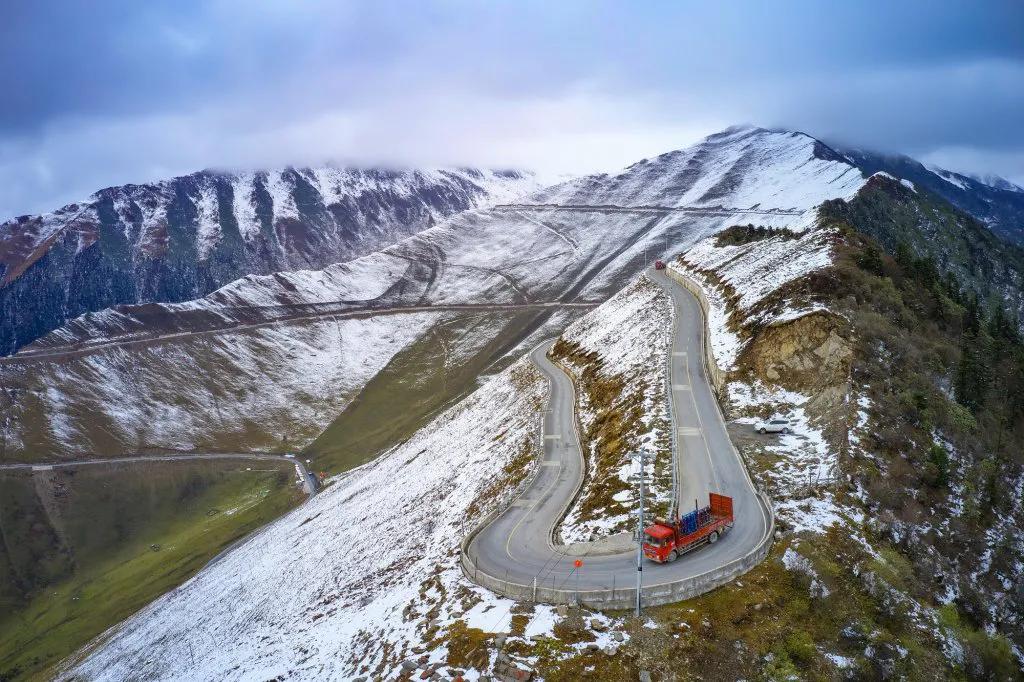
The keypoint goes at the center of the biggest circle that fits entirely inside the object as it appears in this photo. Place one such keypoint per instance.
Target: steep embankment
(182, 238)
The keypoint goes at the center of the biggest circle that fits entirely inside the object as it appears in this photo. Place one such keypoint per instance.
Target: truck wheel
(761, 430)
(672, 556)
(785, 430)
(713, 537)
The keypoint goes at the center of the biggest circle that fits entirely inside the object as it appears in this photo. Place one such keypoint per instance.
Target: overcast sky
(104, 93)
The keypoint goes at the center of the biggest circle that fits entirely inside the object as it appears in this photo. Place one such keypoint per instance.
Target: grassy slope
(419, 381)
(89, 562)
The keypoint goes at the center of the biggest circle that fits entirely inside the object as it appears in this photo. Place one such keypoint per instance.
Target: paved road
(309, 481)
(76, 349)
(611, 208)
(517, 546)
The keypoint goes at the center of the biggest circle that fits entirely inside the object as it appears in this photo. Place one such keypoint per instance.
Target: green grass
(420, 380)
(112, 541)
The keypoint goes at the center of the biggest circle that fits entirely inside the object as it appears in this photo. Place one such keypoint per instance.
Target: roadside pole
(641, 479)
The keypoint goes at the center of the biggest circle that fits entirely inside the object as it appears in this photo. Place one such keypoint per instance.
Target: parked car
(659, 265)
(774, 425)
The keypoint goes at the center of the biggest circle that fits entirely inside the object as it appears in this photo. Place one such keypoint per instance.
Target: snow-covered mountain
(992, 200)
(272, 359)
(179, 239)
(521, 255)
(741, 167)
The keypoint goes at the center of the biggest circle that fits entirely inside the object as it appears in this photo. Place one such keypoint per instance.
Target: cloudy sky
(98, 94)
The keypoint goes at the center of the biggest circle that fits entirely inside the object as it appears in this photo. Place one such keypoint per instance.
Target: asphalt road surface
(309, 481)
(517, 545)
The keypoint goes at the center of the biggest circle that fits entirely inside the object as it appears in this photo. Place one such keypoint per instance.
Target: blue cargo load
(689, 522)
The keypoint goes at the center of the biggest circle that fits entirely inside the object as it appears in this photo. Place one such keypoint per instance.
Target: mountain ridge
(179, 239)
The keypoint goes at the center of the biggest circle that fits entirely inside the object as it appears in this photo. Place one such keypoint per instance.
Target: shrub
(800, 647)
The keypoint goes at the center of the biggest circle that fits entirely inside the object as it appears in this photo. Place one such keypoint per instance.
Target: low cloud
(569, 88)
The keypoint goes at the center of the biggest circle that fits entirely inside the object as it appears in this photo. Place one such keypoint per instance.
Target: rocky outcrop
(810, 354)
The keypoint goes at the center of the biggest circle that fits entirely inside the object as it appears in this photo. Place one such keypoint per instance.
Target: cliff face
(183, 238)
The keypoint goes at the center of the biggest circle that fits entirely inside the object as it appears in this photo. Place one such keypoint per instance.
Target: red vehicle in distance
(659, 265)
(666, 541)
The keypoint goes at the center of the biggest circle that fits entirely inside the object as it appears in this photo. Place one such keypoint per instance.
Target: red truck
(665, 540)
(659, 265)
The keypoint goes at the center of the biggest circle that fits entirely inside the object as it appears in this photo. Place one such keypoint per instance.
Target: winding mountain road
(514, 553)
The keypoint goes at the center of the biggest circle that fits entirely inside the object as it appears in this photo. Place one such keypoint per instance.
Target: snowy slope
(630, 336)
(276, 387)
(342, 585)
(742, 167)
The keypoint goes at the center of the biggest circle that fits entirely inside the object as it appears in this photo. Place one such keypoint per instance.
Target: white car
(775, 425)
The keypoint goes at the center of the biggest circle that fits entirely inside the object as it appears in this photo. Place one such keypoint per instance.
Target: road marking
(689, 431)
(552, 463)
(680, 387)
(555, 436)
(47, 467)
(680, 354)
(707, 449)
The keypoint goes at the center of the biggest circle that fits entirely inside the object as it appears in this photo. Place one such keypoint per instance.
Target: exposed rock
(807, 354)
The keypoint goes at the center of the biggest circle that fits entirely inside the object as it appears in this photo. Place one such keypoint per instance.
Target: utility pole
(640, 477)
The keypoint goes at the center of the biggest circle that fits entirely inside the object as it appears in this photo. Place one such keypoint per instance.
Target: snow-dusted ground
(348, 583)
(749, 273)
(630, 334)
(799, 469)
(239, 389)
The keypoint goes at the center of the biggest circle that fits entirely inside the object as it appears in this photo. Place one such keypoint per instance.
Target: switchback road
(514, 554)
